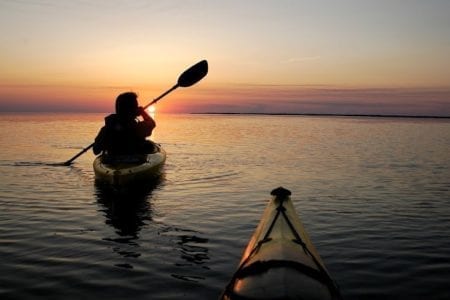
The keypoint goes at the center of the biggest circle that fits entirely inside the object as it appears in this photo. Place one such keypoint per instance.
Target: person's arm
(99, 143)
(147, 125)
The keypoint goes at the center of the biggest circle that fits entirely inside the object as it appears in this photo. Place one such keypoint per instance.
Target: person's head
(127, 105)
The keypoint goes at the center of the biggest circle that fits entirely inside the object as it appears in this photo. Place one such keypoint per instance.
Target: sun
(151, 109)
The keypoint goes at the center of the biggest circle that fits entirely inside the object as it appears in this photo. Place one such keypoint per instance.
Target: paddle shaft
(67, 163)
(162, 95)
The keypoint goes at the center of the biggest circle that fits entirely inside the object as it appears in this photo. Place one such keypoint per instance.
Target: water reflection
(193, 252)
(127, 211)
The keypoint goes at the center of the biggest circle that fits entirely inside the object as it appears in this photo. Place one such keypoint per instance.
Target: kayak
(125, 170)
(280, 262)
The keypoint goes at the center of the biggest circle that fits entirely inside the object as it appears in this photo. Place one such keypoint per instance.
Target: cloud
(332, 100)
(242, 98)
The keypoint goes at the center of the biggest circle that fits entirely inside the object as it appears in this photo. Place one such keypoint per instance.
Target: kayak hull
(280, 261)
(126, 172)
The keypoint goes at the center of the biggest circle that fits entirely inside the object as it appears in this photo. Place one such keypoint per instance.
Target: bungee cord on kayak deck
(254, 266)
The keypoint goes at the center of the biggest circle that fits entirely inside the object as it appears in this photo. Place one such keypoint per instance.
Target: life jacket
(123, 136)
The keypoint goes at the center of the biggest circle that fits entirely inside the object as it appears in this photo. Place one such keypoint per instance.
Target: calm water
(373, 193)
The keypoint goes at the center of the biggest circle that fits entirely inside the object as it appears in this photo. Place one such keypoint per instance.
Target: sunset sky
(299, 56)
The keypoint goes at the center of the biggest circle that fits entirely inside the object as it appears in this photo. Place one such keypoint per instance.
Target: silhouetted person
(124, 133)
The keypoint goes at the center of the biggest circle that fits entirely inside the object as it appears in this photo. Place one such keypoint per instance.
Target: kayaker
(125, 132)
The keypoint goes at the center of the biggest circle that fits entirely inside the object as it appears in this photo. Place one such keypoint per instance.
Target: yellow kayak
(126, 170)
(280, 262)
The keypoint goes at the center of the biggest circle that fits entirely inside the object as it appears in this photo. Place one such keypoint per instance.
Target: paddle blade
(194, 74)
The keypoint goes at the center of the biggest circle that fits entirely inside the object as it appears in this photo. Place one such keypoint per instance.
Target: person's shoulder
(111, 119)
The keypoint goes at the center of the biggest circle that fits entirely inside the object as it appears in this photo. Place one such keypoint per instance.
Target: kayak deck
(129, 169)
(280, 262)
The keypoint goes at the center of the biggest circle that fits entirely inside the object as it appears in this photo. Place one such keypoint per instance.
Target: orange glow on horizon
(236, 98)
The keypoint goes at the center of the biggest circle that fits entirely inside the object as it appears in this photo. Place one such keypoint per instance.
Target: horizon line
(323, 115)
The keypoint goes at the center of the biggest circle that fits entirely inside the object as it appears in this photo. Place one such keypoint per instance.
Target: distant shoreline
(325, 115)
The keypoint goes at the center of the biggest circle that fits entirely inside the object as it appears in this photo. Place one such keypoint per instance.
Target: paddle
(189, 77)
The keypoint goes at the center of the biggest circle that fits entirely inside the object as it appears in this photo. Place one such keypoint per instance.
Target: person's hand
(140, 111)
(144, 114)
